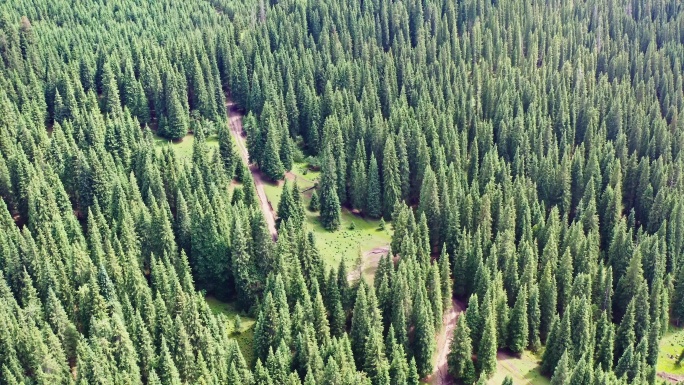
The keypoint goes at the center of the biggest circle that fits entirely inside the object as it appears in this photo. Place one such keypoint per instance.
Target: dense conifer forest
(526, 157)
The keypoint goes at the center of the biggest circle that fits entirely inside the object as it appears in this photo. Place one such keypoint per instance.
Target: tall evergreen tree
(373, 205)
(460, 358)
(330, 203)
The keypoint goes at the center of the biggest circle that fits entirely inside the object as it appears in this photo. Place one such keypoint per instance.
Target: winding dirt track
(440, 375)
(235, 123)
(672, 378)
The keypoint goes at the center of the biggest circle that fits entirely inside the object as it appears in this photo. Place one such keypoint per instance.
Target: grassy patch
(342, 244)
(183, 148)
(671, 346)
(301, 170)
(245, 336)
(523, 370)
(345, 243)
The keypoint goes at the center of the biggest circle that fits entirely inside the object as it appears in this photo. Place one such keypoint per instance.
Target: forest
(331, 192)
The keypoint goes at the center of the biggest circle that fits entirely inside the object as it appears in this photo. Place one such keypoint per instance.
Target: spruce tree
(533, 319)
(330, 203)
(445, 277)
(429, 205)
(460, 360)
(391, 183)
(424, 343)
(358, 188)
(562, 372)
(373, 205)
(547, 302)
(486, 351)
(314, 203)
(518, 325)
(625, 336)
(678, 298)
(286, 206)
(271, 163)
(360, 325)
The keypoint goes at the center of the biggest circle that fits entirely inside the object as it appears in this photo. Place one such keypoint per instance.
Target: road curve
(236, 130)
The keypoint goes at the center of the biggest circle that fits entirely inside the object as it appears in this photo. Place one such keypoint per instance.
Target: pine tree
(375, 363)
(605, 347)
(176, 119)
(330, 203)
(486, 351)
(518, 325)
(562, 372)
(445, 277)
(271, 163)
(286, 152)
(391, 183)
(429, 205)
(360, 325)
(533, 318)
(373, 205)
(424, 343)
(460, 353)
(243, 267)
(314, 203)
(358, 188)
(678, 298)
(547, 296)
(231, 159)
(625, 336)
(435, 295)
(286, 206)
(110, 92)
(168, 374)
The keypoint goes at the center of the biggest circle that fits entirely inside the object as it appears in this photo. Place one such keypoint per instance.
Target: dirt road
(235, 123)
(672, 378)
(440, 376)
(370, 262)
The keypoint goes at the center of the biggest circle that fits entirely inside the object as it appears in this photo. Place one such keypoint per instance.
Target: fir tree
(460, 353)
(271, 164)
(424, 343)
(373, 205)
(330, 203)
(358, 188)
(486, 351)
(314, 203)
(562, 372)
(518, 325)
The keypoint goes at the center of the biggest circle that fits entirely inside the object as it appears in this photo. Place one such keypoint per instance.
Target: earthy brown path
(440, 376)
(235, 123)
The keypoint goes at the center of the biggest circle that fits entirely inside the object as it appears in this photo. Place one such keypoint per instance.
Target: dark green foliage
(486, 351)
(518, 324)
(373, 205)
(330, 203)
(678, 300)
(424, 343)
(536, 144)
(460, 358)
(272, 165)
(358, 188)
(314, 203)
